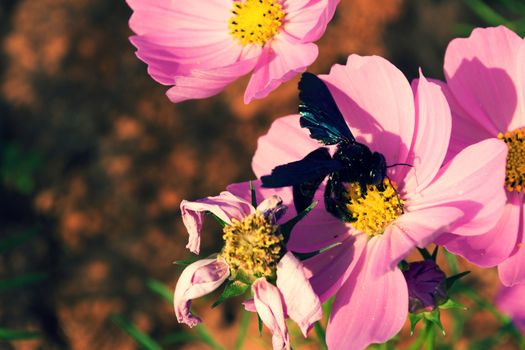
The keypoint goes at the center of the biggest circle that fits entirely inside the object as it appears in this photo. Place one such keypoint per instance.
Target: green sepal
(403, 265)
(218, 219)
(288, 226)
(232, 289)
(434, 317)
(260, 324)
(451, 304)
(435, 253)
(243, 277)
(414, 319)
(453, 279)
(253, 195)
(186, 262)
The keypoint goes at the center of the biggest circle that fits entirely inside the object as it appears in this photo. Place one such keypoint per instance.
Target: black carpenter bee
(352, 161)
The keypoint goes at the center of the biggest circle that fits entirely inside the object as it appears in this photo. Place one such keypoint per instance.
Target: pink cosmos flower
(199, 47)
(511, 301)
(486, 92)
(253, 253)
(419, 202)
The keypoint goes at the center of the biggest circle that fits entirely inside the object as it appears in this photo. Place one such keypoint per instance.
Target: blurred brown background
(114, 158)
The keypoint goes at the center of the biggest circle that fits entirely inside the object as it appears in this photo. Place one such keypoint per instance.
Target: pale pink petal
(306, 20)
(285, 142)
(511, 301)
(242, 190)
(302, 304)
(367, 309)
(432, 135)
(317, 230)
(225, 206)
(491, 248)
(269, 305)
(329, 270)
(202, 83)
(481, 71)
(473, 182)
(520, 121)
(249, 305)
(410, 230)
(377, 102)
(512, 270)
(279, 62)
(465, 130)
(198, 279)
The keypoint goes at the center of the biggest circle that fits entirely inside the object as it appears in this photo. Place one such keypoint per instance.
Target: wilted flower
(486, 92)
(199, 47)
(253, 255)
(408, 127)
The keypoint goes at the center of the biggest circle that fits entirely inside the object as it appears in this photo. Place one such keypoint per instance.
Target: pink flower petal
(511, 301)
(377, 103)
(198, 279)
(330, 269)
(481, 71)
(432, 135)
(225, 206)
(367, 309)
(317, 230)
(269, 305)
(285, 142)
(279, 62)
(491, 248)
(302, 304)
(465, 130)
(512, 270)
(242, 190)
(306, 20)
(410, 230)
(202, 83)
(473, 182)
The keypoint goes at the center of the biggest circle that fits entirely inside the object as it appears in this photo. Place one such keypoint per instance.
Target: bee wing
(316, 165)
(319, 112)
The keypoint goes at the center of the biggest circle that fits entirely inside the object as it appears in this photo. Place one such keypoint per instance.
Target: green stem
(321, 335)
(430, 336)
(418, 344)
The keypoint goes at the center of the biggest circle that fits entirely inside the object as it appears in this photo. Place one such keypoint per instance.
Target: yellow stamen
(255, 21)
(515, 168)
(252, 245)
(375, 209)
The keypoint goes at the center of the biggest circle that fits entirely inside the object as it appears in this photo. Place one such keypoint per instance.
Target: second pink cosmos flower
(421, 201)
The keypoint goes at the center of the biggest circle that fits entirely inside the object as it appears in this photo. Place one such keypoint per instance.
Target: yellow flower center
(374, 209)
(515, 168)
(252, 245)
(255, 21)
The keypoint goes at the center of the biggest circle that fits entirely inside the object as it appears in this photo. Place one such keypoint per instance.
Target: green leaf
(141, 338)
(218, 219)
(321, 335)
(435, 317)
(453, 279)
(254, 196)
(485, 12)
(288, 226)
(179, 337)
(12, 334)
(451, 304)
(205, 336)
(17, 239)
(161, 289)
(243, 329)
(22, 281)
(414, 319)
(231, 290)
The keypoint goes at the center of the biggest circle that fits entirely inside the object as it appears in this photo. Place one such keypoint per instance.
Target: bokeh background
(94, 161)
